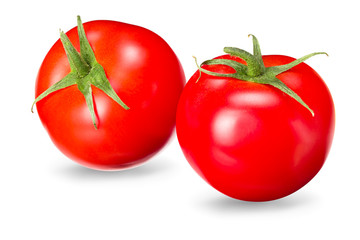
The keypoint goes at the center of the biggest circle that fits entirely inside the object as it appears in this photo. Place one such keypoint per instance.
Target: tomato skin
(253, 142)
(146, 74)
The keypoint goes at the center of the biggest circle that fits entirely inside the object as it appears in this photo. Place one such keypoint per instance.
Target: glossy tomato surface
(146, 75)
(253, 142)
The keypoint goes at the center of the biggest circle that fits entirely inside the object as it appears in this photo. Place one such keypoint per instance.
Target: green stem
(282, 68)
(85, 72)
(254, 67)
(85, 49)
(77, 63)
(255, 70)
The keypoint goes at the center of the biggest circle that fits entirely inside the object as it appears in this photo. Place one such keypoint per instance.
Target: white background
(44, 195)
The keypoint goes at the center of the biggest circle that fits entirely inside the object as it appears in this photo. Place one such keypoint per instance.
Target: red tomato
(144, 72)
(251, 141)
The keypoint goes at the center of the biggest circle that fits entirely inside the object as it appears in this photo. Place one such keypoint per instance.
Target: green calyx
(85, 71)
(255, 70)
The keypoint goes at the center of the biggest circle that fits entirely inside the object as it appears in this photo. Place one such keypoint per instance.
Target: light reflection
(232, 126)
(260, 99)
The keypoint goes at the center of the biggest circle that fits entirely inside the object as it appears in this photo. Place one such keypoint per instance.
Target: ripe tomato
(144, 72)
(252, 141)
